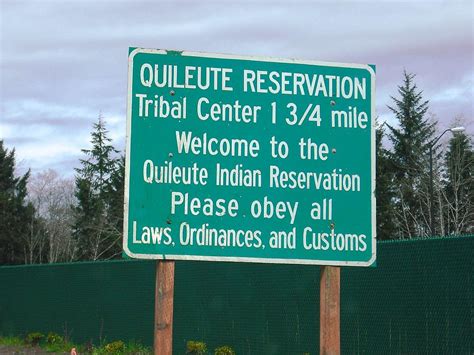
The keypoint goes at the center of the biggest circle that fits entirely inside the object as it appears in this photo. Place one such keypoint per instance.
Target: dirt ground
(19, 350)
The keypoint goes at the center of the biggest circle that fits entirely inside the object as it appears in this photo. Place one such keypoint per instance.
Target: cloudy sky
(64, 62)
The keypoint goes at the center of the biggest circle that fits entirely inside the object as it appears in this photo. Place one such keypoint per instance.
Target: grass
(64, 347)
(118, 347)
(11, 341)
(59, 345)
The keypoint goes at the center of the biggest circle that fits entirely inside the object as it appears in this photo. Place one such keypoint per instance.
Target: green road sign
(249, 159)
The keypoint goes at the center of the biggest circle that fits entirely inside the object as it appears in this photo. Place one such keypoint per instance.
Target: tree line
(46, 218)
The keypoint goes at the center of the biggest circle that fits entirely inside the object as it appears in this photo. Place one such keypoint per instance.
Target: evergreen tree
(410, 157)
(386, 228)
(459, 187)
(116, 196)
(16, 215)
(96, 227)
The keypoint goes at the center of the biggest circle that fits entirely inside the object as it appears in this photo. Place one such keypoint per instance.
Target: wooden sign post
(164, 292)
(329, 313)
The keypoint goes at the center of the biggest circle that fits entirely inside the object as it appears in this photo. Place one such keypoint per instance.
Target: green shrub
(54, 338)
(115, 347)
(224, 350)
(196, 347)
(137, 349)
(34, 338)
(118, 347)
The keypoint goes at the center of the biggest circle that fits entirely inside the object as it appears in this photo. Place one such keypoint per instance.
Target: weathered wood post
(164, 292)
(329, 304)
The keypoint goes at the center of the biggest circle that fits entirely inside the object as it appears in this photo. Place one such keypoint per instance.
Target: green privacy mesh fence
(418, 300)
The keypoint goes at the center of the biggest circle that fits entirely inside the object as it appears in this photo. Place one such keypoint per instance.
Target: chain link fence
(417, 300)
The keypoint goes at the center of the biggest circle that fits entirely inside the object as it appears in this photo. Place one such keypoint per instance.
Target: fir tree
(16, 215)
(386, 228)
(95, 228)
(410, 155)
(116, 196)
(459, 186)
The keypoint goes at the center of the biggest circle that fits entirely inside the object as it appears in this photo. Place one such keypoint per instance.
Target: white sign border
(245, 259)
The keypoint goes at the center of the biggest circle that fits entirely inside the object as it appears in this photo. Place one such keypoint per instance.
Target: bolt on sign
(249, 159)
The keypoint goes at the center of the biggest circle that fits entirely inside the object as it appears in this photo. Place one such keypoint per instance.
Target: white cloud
(61, 63)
